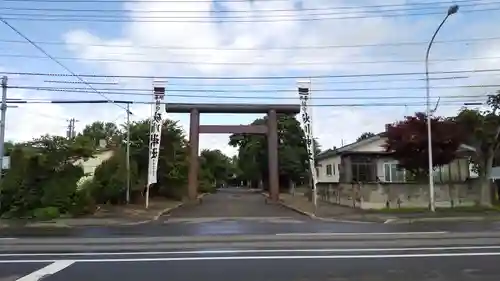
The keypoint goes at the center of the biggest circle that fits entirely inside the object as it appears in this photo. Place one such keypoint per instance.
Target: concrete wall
(398, 195)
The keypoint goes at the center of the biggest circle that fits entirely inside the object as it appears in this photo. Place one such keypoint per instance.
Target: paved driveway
(234, 203)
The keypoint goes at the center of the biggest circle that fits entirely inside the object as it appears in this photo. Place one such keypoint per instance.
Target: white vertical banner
(304, 89)
(156, 123)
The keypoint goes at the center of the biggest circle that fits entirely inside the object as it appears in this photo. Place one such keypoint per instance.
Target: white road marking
(242, 251)
(7, 238)
(48, 270)
(358, 234)
(430, 255)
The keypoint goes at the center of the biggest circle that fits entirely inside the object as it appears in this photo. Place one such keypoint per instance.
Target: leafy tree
(109, 182)
(292, 152)
(408, 142)
(481, 131)
(215, 169)
(173, 157)
(100, 130)
(42, 179)
(365, 135)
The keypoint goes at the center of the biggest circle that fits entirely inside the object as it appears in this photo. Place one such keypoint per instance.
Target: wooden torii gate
(271, 130)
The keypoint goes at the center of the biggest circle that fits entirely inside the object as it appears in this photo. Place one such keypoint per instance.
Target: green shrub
(46, 213)
(206, 187)
(110, 179)
(82, 203)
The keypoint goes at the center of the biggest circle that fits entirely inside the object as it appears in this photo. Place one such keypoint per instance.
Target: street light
(451, 10)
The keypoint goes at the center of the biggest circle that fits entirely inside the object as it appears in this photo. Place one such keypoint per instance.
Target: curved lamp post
(451, 10)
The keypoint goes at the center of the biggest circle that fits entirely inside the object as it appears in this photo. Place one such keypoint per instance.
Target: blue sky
(87, 47)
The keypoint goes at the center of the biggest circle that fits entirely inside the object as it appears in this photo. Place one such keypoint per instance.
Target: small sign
(103, 143)
(6, 163)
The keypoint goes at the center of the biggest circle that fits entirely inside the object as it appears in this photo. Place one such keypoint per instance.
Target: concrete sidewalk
(331, 212)
(106, 216)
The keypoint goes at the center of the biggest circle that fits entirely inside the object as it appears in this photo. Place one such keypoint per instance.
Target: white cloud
(331, 124)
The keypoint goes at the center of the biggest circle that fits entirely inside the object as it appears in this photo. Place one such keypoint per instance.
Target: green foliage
(292, 152)
(482, 131)
(365, 135)
(110, 179)
(172, 161)
(41, 176)
(46, 213)
(101, 131)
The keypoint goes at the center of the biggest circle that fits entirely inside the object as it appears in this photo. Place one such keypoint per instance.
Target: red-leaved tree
(408, 142)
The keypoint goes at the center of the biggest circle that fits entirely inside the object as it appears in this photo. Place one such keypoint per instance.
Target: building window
(393, 174)
(317, 173)
(329, 170)
(362, 172)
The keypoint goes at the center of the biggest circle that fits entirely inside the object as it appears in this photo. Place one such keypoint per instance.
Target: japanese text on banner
(155, 136)
(304, 96)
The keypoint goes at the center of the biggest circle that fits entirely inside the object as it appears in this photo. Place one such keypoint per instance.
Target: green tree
(42, 180)
(481, 130)
(292, 151)
(100, 130)
(215, 167)
(365, 135)
(172, 161)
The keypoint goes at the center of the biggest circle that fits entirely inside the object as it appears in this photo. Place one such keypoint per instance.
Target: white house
(367, 161)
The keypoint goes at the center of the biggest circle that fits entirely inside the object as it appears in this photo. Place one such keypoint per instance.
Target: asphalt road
(437, 264)
(240, 212)
(233, 203)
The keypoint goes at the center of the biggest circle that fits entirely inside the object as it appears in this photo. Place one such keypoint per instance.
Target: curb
(156, 217)
(440, 219)
(313, 216)
(168, 210)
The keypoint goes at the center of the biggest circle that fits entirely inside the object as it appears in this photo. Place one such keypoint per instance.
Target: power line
(246, 63)
(180, 1)
(137, 92)
(395, 44)
(450, 103)
(26, 79)
(387, 74)
(214, 19)
(323, 8)
(138, 1)
(73, 74)
(214, 90)
(296, 12)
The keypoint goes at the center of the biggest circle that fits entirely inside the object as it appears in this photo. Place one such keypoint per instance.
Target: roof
(346, 148)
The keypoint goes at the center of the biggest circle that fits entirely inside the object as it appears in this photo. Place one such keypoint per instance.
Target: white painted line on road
(7, 238)
(48, 270)
(358, 233)
(243, 251)
(394, 256)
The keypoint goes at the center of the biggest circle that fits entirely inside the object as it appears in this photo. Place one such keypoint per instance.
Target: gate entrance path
(270, 130)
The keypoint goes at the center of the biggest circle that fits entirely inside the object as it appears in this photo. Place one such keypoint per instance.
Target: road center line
(288, 257)
(358, 233)
(48, 270)
(257, 251)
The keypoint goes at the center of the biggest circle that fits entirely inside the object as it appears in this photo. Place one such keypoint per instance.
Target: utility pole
(3, 109)
(128, 153)
(70, 134)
